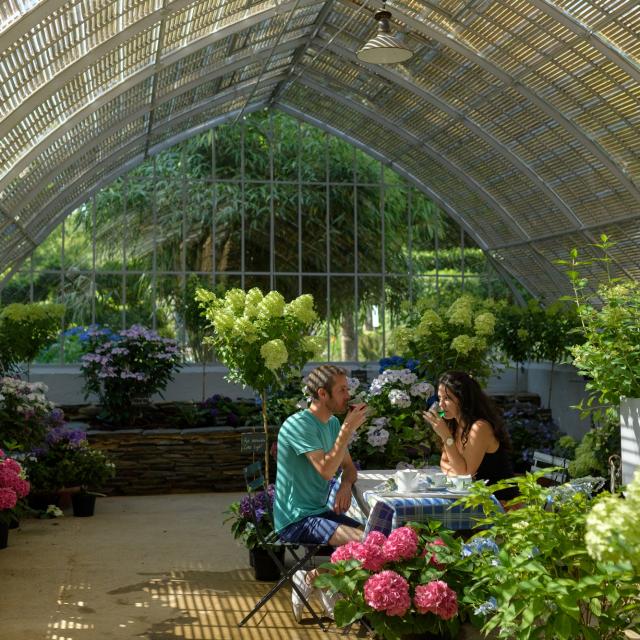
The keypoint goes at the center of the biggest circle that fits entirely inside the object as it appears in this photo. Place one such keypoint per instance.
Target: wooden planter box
(153, 461)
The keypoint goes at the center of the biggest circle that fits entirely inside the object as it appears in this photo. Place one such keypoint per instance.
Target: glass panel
(369, 231)
(109, 301)
(195, 324)
(341, 163)
(257, 229)
(317, 287)
(256, 148)
(18, 289)
(78, 245)
(285, 206)
(370, 318)
(262, 282)
(368, 168)
(198, 234)
(139, 301)
(312, 153)
(228, 142)
(343, 326)
(169, 305)
(314, 248)
(47, 254)
(342, 229)
(228, 227)
(397, 301)
(287, 286)
(396, 233)
(78, 298)
(285, 147)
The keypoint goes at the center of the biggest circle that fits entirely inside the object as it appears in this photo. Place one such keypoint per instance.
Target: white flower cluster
(612, 533)
(377, 435)
(28, 396)
(399, 398)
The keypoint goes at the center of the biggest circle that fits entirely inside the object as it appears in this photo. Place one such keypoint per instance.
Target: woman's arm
(467, 459)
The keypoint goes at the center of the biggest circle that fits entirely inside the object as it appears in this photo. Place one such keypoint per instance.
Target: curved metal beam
(604, 46)
(238, 63)
(28, 21)
(458, 115)
(413, 141)
(54, 202)
(451, 41)
(45, 91)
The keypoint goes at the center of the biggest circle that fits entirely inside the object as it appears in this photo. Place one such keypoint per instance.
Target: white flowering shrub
(396, 431)
(612, 533)
(263, 340)
(458, 335)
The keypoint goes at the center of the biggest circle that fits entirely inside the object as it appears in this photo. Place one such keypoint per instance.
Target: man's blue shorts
(317, 529)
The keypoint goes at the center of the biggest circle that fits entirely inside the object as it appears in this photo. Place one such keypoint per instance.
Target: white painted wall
(65, 387)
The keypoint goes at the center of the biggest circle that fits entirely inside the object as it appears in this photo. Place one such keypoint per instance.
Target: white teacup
(406, 479)
(438, 479)
(461, 482)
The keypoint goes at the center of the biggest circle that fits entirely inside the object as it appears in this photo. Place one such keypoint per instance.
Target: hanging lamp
(383, 48)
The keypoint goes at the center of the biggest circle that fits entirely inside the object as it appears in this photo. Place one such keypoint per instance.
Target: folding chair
(543, 460)
(255, 483)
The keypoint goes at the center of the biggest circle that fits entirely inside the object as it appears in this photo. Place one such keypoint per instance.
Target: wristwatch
(449, 441)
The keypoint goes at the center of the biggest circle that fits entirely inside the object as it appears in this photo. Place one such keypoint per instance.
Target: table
(385, 510)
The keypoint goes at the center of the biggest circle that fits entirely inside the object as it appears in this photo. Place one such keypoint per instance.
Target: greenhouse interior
(320, 318)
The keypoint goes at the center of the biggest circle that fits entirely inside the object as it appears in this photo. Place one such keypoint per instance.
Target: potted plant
(542, 581)
(127, 368)
(610, 355)
(262, 340)
(13, 487)
(89, 469)
(243, 529)
(410, 584)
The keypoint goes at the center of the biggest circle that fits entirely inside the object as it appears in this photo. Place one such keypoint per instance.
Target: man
(312, 446)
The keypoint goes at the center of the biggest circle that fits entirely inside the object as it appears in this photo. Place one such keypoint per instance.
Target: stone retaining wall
(175, 461)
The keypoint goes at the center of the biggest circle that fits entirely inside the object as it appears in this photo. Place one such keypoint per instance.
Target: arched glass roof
(520, 118)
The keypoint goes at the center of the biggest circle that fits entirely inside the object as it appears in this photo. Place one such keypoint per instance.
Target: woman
(474, 439)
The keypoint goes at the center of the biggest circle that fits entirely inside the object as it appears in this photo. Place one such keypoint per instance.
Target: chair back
(256, 483)
(543, 460)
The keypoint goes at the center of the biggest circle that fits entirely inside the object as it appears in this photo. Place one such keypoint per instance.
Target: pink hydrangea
(375, 538)
(402, 544)
(8, 498)
(371, 557)
(438, 598)
(388, 591)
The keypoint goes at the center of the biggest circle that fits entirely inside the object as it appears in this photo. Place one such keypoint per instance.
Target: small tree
(263, 341)
(24, 330)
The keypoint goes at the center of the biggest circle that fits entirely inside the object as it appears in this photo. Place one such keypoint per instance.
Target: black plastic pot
(264, 568)
(83, 504)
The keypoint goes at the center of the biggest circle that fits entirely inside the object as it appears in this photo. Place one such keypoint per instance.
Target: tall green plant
(263, 341)
(456, 336)
(610, 322)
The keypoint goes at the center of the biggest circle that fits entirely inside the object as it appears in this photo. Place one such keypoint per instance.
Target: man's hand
(343, 498)
(356, 416)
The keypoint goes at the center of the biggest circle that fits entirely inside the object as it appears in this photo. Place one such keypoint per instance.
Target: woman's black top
(497, 466)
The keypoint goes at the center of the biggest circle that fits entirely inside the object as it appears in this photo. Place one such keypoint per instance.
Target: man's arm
(327, 464)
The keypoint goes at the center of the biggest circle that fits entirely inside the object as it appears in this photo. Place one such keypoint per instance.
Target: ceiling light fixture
(383, 48)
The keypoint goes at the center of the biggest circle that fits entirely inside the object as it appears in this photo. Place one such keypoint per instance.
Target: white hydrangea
(302, 309)
(272, 305)
(377, 437)
(380, 423)
(612, 532)
(353, 384)
(275, 354)
(399, 398)
(406, 376)
(422, 389)
(235, 299)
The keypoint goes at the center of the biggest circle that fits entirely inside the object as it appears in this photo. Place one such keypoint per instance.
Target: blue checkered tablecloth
(380, 510)
(389, 512)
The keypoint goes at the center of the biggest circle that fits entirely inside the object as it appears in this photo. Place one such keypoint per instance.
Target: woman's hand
(437, 424)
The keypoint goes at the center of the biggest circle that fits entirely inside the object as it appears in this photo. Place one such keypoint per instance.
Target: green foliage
(610, 324)
(597, 445)
(239, 514)
(25, 329)
(89, 468)
(537, 333)
(457, 335)
(543, 582)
